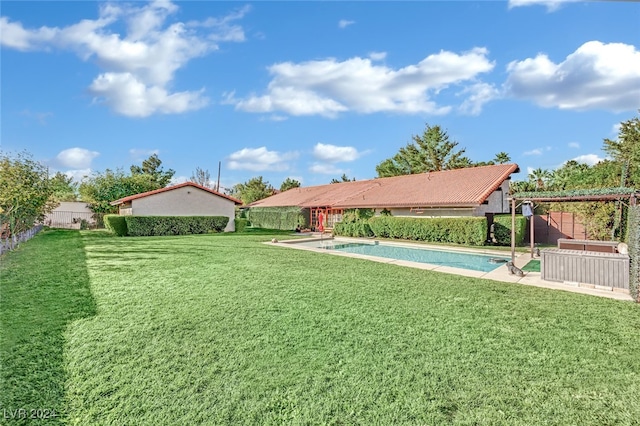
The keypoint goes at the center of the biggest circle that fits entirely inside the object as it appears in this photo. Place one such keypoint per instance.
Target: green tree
(539, 178)
(152, 166)
(626, 151)
(501, 158)
(288, 184)
(201, 177)
(343, 178)
(433, 151)
(100, 189)
(63, 188)
(253, 190)
(25, 192)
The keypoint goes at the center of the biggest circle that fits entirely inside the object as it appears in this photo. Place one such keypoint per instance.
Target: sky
(312, 90)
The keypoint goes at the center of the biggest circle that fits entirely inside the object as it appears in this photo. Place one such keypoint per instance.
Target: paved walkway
(501, 273)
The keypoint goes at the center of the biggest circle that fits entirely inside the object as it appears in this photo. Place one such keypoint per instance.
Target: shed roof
(451, 188)
(171, 188)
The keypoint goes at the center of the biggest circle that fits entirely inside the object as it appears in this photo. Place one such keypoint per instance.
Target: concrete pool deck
(501, 273)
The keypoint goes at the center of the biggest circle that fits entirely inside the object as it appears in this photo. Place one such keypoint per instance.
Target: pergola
(583, 195)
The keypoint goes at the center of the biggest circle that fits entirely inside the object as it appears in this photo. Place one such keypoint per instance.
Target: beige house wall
(185, 201)
(430, 212)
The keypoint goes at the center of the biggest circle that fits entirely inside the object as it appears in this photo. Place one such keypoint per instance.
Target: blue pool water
(475, 262)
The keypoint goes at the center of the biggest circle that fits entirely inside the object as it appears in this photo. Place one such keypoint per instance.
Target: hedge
(241, 224)
(360, 228)
(139, 226)
(502, 229)
(286, 218)
(116, 224)
(457, 230)
(633, 241)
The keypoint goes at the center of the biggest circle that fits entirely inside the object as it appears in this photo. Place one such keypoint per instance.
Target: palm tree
(539, 177)
(501, 158)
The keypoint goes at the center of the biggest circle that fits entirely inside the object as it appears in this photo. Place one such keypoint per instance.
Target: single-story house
(472, 191)
(184, 199)
(71, 215)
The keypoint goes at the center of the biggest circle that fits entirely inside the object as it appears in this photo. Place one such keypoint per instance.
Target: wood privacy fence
(550, 227)
(13, 241)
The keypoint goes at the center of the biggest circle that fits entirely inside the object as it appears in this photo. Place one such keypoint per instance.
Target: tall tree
(433, 151)
(202, 177)
(253, 190)
(343, 178)
(152, 166)
(501, 158)
(63, 188)
(626, 151)
(25, 192)
(100, 189)
(288, 184)
(539, 177)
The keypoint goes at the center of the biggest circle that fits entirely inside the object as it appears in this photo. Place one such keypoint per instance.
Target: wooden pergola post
(531, 236)
(513, 230)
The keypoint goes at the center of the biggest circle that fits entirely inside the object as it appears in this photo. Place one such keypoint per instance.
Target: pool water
(472, 261)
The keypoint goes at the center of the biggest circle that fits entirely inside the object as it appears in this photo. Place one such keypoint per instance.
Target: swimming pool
(455, 259)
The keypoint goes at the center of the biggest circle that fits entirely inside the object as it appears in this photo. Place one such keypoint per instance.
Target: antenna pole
(218, 186)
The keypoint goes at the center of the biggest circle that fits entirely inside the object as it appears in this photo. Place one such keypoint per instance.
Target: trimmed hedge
(360, 228)
(241, 224)
(502, 229)
(139, 226)
(633, 241)
(116, 224)
(457, 230)
(286, 218)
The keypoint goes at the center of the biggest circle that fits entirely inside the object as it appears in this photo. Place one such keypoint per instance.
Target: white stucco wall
(185, 201)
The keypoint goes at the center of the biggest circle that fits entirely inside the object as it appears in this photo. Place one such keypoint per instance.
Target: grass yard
(221, 329)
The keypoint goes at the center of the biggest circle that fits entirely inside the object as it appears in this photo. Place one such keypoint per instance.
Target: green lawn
(221, 329)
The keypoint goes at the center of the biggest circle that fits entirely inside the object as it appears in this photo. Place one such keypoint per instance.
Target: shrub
(358, 228)
(241, 224)
(633, 241)
(458, 230)
(502, 229)
(116, 224)
(287, 218)
(174, 225)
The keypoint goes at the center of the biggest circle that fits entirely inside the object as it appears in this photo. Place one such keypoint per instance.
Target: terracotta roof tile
(170, 188)
(460, 187)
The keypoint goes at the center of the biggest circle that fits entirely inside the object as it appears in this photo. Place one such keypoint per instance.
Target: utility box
(610, 270)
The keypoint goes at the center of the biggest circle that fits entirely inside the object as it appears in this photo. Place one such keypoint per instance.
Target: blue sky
(312, 90)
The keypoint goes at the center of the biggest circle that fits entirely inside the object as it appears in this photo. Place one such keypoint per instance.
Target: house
(70, 215)
(473, 191)
(184, 199)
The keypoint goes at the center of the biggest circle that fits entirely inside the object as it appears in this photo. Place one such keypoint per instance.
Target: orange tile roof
(455, 188)
(170, 188)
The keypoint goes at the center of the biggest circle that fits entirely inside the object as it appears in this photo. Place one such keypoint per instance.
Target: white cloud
(536, 151)
(326, 169)
(377, 56)
(76, 158)
(260, 159)
(574, 145)
(78, 175)
(127, 95)
(328, 87)
(595, 76)
(344, 23)
(479, 94)
(589, 159)
(551, 5)
(334, 154)
(139, 65)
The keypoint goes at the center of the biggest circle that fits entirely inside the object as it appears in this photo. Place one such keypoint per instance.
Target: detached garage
(185, 199)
